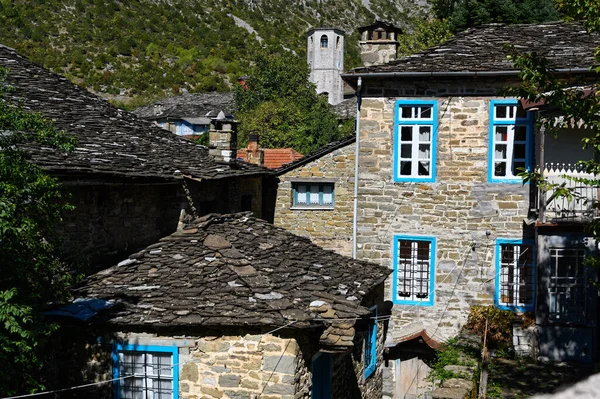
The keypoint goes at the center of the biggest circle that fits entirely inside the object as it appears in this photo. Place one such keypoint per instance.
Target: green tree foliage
(31, 273)
(425, 33)
(281, 106)
(463, 14)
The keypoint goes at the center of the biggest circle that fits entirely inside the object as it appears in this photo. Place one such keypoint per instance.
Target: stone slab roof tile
(565, 45)
(111, 142)
(232, 270)
(190, 105)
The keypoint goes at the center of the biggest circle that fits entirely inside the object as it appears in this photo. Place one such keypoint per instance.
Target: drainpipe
(355, 212)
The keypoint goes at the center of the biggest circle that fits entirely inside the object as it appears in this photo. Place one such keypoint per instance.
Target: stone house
(129, 181)
(440, 201)
(229, 307)
(188, 115)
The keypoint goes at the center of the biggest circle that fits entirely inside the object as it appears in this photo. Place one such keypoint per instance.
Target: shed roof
(111, 142)
(232, 270)
(566, 45)
(190, 105)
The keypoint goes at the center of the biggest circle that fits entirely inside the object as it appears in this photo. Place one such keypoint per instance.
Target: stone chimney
(254, 154)
(222, 138)
(378, 43)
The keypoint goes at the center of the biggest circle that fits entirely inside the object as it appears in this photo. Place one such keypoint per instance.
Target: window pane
(424, 152)
(501, 133)
(501, 150)
(405, 168)
(328, 194)
(301, 196)
(424, 133)
(425, 112)
(519, 151)
(500, 169)
(521, 113)
(501, 111)
(520, 133)
(161, 364)
(519, 167)
(413, 272)
(314, 194)
(405, 150)
(423, 168)
(406, 133)
(406, 112)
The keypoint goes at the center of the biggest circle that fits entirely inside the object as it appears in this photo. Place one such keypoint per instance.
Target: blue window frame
(415, 136)
(313, 195)
(511, 141)
(321, 376)
(146, 371)
(414, 270)
(371, 345)
(515, 274)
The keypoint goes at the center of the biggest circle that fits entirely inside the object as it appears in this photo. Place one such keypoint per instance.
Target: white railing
(581, 205)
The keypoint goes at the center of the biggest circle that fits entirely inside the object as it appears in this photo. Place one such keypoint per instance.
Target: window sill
(414, 180)
(311, 208)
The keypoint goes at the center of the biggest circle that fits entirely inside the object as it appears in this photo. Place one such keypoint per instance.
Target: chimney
(222, 138)
(378, 43)
(254, 154)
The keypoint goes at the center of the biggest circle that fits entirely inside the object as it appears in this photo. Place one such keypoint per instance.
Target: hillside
(138, 50)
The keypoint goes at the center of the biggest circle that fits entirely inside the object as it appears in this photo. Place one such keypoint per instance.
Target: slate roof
(111, 142)
(232, 270)
(196, 105)
(565, 45)
(273, 158)
(316, 154)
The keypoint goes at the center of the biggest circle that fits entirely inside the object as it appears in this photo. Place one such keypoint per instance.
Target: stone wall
(458, 208)
(242, 367)
(329, 228)
(111, 221)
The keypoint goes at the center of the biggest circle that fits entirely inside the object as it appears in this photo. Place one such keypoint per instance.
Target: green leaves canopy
(31, 273)
(281, 106)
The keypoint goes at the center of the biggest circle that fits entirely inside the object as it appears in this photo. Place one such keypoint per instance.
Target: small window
(338, 41)
(413, 270)
(313, 195)
(514, 275)
(371, 345)
(324, 41)
(510, 142)
(146, 372)
(415, 140)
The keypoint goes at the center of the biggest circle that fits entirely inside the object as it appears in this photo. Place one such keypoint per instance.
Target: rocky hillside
(137, 50)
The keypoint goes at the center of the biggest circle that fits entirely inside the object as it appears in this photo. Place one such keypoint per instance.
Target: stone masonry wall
(329, 228)
(242, 367)
(112, 221)
(458, 208)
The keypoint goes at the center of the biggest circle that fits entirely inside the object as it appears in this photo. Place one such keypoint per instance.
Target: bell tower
(325, 56)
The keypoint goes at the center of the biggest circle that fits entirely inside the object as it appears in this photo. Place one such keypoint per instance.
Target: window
(145, 372)
(414, 270)
(510, 141)
(415, 140)
(568, 284)
(313, 195)
(515, 275)
(371, 345)
(324, 41)
(321, 376)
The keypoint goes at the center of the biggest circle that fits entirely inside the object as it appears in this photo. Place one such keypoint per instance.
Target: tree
(463, 14)
(425, 33)
(31, 272)
(281, 106)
